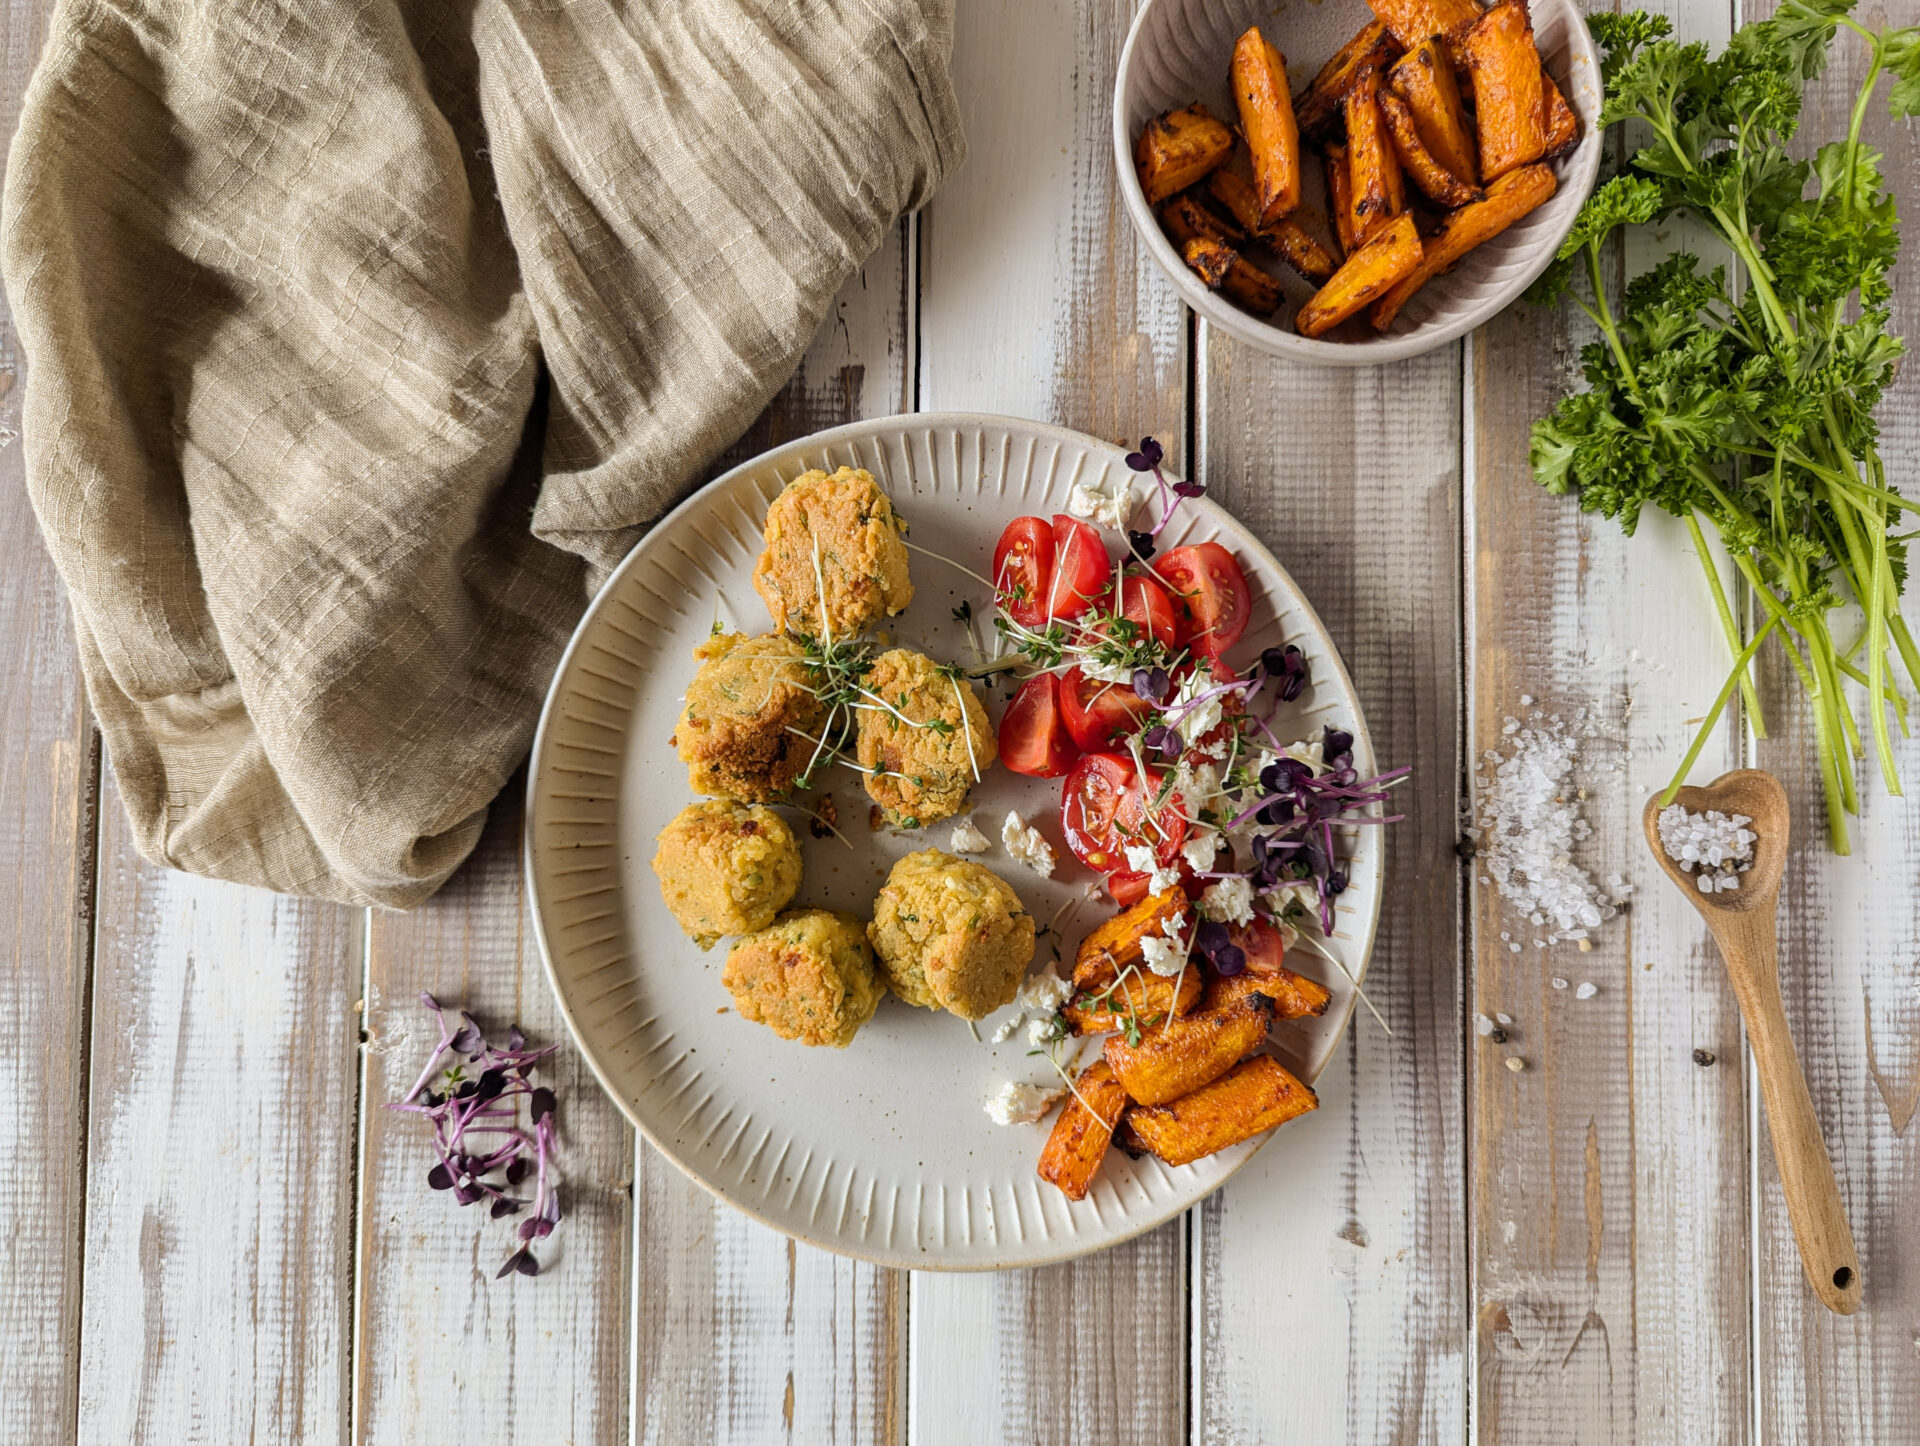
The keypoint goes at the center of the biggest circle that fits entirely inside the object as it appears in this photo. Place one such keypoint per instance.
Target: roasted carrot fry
(1317, 109)
(1175, 1059)
(1507, 200)
(1441, 185)
(1177, 149)
(1378, 194)
(1509, 89)
(1424, 79)
(1211, 260)
(1369, 272)
(1412, 21)
(1563, 126)
(1255, 1095)
(1138, 999)
(1080, 1137)
(1289, 240)
(1259, 76)
(1114, 945)
(1128, 1141)
(1294, 996)
(1224, 269)
(1340, 198)
(1184, 218)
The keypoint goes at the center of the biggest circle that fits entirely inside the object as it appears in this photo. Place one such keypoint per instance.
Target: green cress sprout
(1753, 415)
(470, 1092)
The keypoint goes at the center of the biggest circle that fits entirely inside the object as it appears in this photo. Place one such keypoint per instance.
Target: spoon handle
(1806, 1172)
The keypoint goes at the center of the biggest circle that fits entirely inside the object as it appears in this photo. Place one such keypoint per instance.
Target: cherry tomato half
(1145, 604)
(1082, 572)
(1127, 889)
(1033, 735)
(1262, 945)
(1103, 807)
(1209, 593)
(1022, 569)
(1097, 714)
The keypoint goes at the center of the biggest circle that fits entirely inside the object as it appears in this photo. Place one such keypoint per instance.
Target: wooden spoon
(1742, 922)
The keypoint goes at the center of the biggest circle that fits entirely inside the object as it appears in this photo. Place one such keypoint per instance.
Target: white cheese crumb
(1005, 1031)
(1045, 991)
(1020, 1104)
(1195, 719)
(1107, 501)
(1038, 1031)
(1166, 953)
(1026, 845)
(1585, 991)
(1230, 901)
(967, 839)
(1118, 673)
(1141, 860)
(1199, 850)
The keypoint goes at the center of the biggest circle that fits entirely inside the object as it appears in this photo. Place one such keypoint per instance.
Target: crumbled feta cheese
(1198, 785)
(1117, 672)
(1166, 952)
(968, 839)
(1199, 850)
(1005, 1031)
(1230, 901)
(1307, 751)
(1026, 845)
(1194, 718)
(1045, 991)
(1020, 1104)
(1141, 860)
(1038, 1031)
(1107, 501)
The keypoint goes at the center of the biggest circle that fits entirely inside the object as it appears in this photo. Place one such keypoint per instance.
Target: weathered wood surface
(1346, 1240)
(1849, 949)
(219, 1225)
(1608, 1203)
(48, 778)
(1036, 300)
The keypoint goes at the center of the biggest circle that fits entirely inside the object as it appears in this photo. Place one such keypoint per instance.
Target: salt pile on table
(1718, 845)
(1528, 821)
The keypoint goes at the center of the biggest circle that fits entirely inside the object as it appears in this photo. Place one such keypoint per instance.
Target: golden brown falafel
(839, 532)
(950, 934)
(919, 725)
(741, 731)
(726, 868)
(809, 976)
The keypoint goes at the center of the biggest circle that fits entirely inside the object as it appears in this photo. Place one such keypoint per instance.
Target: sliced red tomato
(1262, 945)
(1127, 889)
(1103, 808)
(1209, 594)
(1098, 714)
(1082, 572)
(1232, 706)
(1145, 604)
(1022, 569)
(1033, 734)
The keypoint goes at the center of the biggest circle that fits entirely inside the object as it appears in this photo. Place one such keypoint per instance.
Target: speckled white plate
(880, 1150)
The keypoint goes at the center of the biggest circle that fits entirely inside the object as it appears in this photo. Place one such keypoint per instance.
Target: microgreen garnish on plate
(1753, 415)
(470, 1092)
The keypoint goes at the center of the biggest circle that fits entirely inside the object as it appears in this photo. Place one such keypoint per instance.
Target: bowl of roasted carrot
(1352, 183)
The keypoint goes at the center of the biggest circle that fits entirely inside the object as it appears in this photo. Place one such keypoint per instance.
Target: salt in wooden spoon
(1742, 923)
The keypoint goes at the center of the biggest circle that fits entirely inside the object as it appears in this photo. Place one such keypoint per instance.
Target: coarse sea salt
(1527, 821)
(1715, 847)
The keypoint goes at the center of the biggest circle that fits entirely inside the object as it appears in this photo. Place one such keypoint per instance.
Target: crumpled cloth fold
(366, 336)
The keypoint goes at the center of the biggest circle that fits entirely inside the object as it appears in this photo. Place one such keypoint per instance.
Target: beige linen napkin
(365, 336)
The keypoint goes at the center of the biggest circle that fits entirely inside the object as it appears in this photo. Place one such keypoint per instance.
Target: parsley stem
(1749, 699)
(1713, 713)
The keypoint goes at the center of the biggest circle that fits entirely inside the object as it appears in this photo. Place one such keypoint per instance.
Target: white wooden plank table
(214, 1232)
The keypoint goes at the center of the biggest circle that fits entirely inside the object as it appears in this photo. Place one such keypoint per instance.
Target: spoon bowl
(1758, 795)
(1742, 923)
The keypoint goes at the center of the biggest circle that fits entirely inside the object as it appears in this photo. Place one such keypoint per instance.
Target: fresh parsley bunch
(1751, 406)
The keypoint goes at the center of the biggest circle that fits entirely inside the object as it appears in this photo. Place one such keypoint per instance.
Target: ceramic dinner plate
(881, 1150)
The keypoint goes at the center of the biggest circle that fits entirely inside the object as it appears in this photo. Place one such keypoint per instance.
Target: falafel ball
(862, 563)
(726, 868)
(916, 745)
(808, 976)
(740, 731)
(950, 934)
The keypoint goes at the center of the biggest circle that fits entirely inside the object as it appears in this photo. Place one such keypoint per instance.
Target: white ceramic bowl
(1177, 53)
